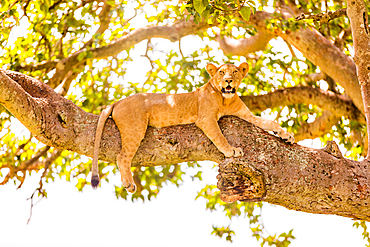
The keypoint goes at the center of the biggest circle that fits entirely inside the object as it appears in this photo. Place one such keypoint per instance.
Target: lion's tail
(99, 131)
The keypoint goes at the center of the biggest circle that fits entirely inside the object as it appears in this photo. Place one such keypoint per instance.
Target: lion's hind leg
(132, 133)
(124, 159)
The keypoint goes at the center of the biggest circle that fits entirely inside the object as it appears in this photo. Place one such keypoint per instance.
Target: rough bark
(296, 177)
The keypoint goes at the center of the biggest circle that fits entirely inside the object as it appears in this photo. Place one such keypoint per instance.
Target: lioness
(204, 107)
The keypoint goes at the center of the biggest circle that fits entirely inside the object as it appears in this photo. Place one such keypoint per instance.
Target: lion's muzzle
(228, 89)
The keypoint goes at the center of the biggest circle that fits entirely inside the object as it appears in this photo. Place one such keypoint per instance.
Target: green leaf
(200, 5)
(183, 7)
(82, 55)
(245, 12)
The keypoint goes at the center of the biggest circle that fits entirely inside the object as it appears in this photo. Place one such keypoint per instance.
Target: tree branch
(324, 17)
(298, 178)
(317, 128)
(357, 14)
(315, 77)
(242, 47)
(104, 17)
(339, 105)
(172, 32)
(48, 65)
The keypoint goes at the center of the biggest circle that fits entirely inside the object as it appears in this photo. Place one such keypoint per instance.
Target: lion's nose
(229, 80)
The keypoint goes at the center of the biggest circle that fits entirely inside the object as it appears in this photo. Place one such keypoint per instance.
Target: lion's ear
(211, 69)
(244, 68)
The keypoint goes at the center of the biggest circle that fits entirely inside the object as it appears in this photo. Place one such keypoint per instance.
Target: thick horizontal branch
(272, 170)
(298, 178)
(337, 104)
(59, 123)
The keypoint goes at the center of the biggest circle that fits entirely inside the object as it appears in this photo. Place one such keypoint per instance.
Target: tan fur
(204, 107)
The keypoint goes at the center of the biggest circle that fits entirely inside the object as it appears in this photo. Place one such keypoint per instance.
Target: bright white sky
(96, 218)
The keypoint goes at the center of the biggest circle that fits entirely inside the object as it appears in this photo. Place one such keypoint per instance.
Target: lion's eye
(221, 72)
(234, 72)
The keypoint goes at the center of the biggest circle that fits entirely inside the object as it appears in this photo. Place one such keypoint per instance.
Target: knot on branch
(333, 149)
(240, 181)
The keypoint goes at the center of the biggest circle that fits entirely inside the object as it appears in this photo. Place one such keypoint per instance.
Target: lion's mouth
(228, 89)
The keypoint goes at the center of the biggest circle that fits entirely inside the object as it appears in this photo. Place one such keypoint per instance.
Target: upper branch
(46, 65)
(172, 32)
(104, 17)
(324, 17)
(242, 47)
(319, 127)
(338, 104)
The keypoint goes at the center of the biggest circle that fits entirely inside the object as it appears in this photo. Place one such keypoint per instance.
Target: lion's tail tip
(95, 181)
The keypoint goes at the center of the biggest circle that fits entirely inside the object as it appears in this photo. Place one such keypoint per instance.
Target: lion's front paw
(233, 152)
(237, 152)
(286, 137)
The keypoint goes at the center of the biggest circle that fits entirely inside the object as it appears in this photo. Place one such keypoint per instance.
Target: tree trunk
(357, 14)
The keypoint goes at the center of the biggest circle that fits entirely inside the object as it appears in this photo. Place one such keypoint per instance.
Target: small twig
(227, 10)
(31, 198)
(40, 189)
(12, 5)
(124, 22)
(291, 50)
(148, 46)
(21, 147)
(339, 41)
(324, 17)
(182, 55)
(327, 26)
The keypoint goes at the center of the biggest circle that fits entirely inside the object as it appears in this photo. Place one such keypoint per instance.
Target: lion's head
(227, 77)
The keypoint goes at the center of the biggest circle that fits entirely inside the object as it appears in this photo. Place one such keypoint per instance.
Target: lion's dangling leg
(132, 131)
(124, 164)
